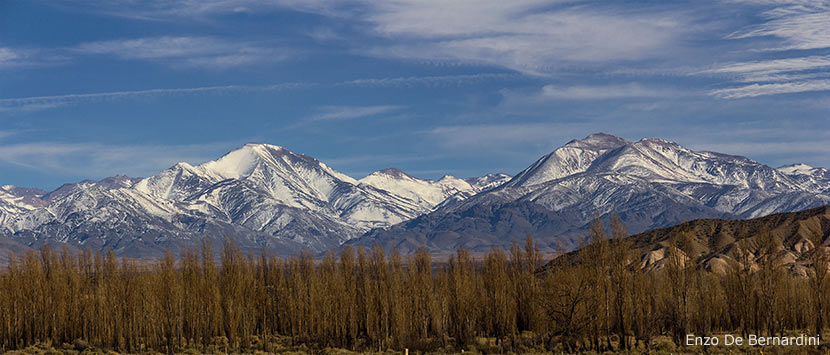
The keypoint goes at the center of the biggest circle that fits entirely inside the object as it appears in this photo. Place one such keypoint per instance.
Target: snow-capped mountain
(427, 193)
(574, 157)
(650, 183)
(15, 200)
(488, 181)
(817, 179)
(265, 187)
(259, 195)
(263, 195)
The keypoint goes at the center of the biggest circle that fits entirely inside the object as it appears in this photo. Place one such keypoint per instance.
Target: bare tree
(818, 277)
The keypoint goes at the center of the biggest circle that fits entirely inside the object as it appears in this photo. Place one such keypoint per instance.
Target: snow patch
(797, 169)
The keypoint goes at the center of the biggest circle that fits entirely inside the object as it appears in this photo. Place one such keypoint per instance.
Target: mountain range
(259, 195)
(265, 196)
(651, 183)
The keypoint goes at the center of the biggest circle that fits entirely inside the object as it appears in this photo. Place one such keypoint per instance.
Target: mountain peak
(262, 145)
(658, 140)
(241, 161)
(487, 181)
(598, 141)
(236, 163)
(573, 157)
(393, 172)
(117, 181)
(796, 169)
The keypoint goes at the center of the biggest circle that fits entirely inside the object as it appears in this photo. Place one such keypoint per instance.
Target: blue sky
(432, 87)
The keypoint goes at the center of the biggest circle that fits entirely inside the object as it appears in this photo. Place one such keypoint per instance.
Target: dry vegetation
(369, 301)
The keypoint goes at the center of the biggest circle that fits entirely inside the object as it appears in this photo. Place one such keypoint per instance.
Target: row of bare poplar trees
(366, 300)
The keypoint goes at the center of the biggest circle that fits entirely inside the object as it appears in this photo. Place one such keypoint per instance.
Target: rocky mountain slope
(265, 196)
(817, 179)
(259, 195)
(651, 183)
(717, 244)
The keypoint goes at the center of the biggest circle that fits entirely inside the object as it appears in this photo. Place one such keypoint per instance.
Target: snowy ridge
(258, 194)
(813, 179)
(426, 193)
(650, 183)
(488, 181)
(574, 157)
(797, 169)
(16, 200)
(429, 194)
(265, 196)
(731, 184)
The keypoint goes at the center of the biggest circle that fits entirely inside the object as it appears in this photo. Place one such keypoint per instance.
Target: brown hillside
(715, 243)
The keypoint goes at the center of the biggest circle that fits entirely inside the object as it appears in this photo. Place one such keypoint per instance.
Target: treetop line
(367, 300)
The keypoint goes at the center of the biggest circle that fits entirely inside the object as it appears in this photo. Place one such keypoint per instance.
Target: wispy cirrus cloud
(350, 112)
(429, 81)
(618, 91)
(530, 36)
(773, 77)
(772, 89)
(178, 51)
(9, 57)
(800, 24)
(639, 96)
(29, 107)
(35, 103)
(766, 67)
(204, 52)
(175, 10)
(800, 28)
(13, 58)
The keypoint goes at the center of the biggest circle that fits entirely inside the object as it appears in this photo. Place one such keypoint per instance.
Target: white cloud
(536, 101)
(12, 58)
(197, 10)
(206, 52)
(799, 24)
(773, 66)
(771, 78)
(29, 107)
(776, 76)
(427, 81)
(34, 103)
(632, 90)
(349, 112)
(772, 89)
(8, 56)
(530, 36)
